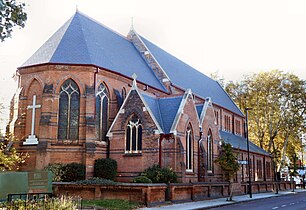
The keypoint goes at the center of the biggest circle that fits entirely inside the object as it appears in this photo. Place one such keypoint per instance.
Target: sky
(231, 37)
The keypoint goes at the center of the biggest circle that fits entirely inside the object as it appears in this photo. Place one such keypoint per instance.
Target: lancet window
(69, 109)
(102, 101)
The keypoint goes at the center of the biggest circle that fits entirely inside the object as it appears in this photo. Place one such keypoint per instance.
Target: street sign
(242, 162)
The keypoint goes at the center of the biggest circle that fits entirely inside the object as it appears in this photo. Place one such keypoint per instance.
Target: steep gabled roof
(82, 40)
(238, 142)
(147, 103)
(164, 109)
(185, 76)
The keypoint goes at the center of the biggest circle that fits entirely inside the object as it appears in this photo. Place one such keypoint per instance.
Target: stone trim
(149, 58)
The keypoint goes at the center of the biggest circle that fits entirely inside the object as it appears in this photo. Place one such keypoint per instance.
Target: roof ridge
(149, 58)
(93, 38)
(63, 28)
(101, 24)
(81, 25)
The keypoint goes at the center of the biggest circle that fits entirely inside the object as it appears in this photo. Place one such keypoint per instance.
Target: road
(292, 202)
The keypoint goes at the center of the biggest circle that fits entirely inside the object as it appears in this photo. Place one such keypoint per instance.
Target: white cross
(32, 139)
(33, 107)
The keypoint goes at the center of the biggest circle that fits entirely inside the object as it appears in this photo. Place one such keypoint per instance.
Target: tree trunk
(283, 153)
(230, 186)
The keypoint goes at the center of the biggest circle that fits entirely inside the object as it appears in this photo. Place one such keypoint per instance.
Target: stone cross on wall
(31, 140)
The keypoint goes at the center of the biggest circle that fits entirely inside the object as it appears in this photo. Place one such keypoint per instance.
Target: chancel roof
(82, 40)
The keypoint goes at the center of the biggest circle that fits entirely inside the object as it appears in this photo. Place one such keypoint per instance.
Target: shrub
(57, 171)
(96, 180)
(160, 175)
(62, 203)
(73, 172)
(105, 168)
(142, 179)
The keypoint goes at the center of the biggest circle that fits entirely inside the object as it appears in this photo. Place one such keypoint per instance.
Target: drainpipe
(160, 149)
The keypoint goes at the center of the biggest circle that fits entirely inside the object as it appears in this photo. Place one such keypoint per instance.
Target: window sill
(210, 173)
(67, 142)
(189, 172)
(132, 154)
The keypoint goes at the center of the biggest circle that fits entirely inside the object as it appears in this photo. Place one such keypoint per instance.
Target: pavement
(207, 204)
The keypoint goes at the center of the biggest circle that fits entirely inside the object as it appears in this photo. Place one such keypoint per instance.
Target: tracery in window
(101, 112)
(134, 136)
(69, 109)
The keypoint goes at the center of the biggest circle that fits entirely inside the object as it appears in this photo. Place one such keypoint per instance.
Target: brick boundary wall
(158, 194)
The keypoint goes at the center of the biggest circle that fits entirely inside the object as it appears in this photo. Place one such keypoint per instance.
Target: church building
(89, 93)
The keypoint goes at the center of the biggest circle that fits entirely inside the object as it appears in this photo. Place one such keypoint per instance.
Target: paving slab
(222, 201)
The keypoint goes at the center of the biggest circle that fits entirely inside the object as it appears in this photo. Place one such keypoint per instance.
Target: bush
(73, 172)
(62, 203)
(142, 179)
(105, 168)
(57, 171)
(160, 175)
(96, 180)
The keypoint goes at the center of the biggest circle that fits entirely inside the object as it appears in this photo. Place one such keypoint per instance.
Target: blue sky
(233, 37)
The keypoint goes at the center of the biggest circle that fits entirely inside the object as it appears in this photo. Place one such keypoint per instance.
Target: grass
(112, 204)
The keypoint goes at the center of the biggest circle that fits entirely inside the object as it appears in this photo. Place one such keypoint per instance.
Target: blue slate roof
(164, 110)
(185, 77)
(82, 40)
(239, 142)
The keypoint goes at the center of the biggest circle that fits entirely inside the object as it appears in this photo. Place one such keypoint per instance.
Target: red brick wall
(50, 150)
(131, 165)
(45, 81)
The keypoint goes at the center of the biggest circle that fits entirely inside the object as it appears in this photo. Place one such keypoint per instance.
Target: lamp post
(293, 172)
(248, 149)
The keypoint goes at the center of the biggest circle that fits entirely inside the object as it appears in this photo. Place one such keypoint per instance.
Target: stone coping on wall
(158, 194)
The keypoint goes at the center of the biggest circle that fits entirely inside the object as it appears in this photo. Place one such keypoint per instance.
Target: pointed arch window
(209, 152)
(101, 112)
(189, 149)
(123, 94)
(133, 136)
(69, 109)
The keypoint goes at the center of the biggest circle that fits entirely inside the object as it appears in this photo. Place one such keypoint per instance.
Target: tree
(229, 164)
(11, 14)
(10, 159)
(277, 119)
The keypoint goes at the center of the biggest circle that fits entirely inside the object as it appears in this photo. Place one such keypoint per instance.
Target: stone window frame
(210, 152)
(65, 89)
(133, 136)
(189, 148)
(102, 95)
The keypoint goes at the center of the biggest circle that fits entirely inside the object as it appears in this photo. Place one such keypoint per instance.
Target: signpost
(20, 184)
(242, 162)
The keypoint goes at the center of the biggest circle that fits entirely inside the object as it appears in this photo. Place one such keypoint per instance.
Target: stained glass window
(209, 151)
(101, 112)
(69, 109)
(189, 149)
(134, 136)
